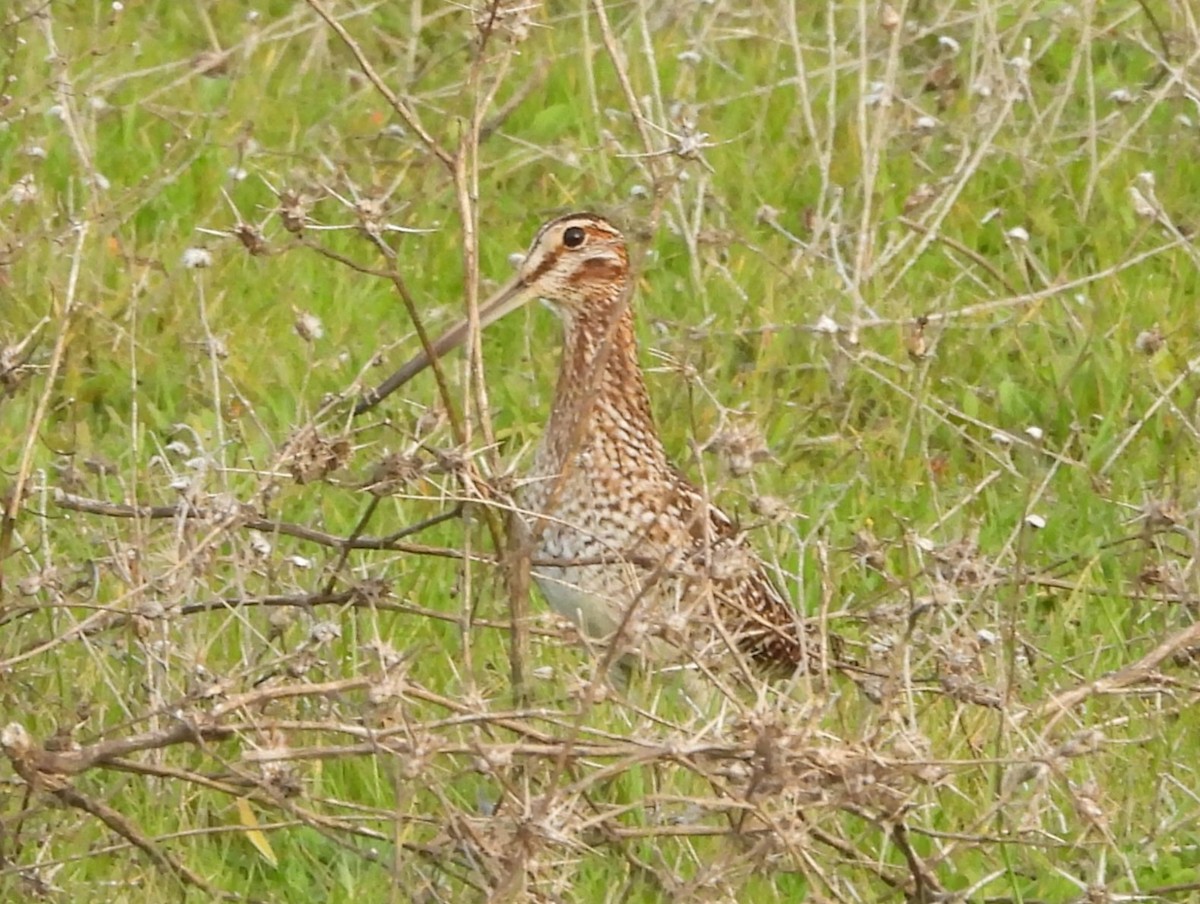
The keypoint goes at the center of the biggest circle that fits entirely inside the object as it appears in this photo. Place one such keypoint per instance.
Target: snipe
(613, 525)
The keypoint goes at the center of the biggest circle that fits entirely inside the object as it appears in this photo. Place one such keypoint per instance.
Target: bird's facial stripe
(597, 269)
(544, 266)
(598, 231)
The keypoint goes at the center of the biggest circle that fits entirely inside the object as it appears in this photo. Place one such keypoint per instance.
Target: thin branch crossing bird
(636, 549)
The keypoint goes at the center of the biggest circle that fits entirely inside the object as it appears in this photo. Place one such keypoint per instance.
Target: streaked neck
(601, 392)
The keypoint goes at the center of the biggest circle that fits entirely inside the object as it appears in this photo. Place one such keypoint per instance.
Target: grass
(997, 509)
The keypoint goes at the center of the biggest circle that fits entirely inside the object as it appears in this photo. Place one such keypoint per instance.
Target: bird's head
(578, 265)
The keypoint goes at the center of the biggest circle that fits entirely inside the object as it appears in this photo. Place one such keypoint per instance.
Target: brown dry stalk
(1061, 703)
(263, 525)
(46, 770)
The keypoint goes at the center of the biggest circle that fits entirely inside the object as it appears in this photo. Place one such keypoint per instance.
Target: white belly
(596, 614)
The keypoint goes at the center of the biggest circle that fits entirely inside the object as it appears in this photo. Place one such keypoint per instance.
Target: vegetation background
(918, 301)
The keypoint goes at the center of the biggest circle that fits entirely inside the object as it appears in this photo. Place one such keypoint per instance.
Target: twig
(402, 109)
(962, 249)
(1063, 702)
(1052, 291)
(264, 525)
(1136, 428)
(46, 770)
(12, 505)
(354, 599)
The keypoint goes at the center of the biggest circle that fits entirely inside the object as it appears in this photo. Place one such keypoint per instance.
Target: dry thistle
(919, 197)
(370, 212)
(868, 550)
(740, 448)
(312, 457)
(771, 508)
(1161, 514)
(915, 342)
(394, 472)
(251, 237)
(278, 773)
(293, 210)
(1149, 342)
(509, 19)
(24, 190)
(889, 18)
(308, 326)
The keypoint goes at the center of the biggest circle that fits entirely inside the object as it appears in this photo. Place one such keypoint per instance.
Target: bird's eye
(573, 237)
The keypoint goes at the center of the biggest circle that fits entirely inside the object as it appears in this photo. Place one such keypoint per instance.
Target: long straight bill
(508, 298)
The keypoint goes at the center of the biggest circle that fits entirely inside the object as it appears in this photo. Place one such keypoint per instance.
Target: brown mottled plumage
(602, 492)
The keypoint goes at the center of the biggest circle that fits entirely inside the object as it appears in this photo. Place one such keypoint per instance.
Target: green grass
(150, 382)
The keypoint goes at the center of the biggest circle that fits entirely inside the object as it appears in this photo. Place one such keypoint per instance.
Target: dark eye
(574, 236)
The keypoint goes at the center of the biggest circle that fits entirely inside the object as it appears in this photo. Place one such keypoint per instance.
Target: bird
(621, 542)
